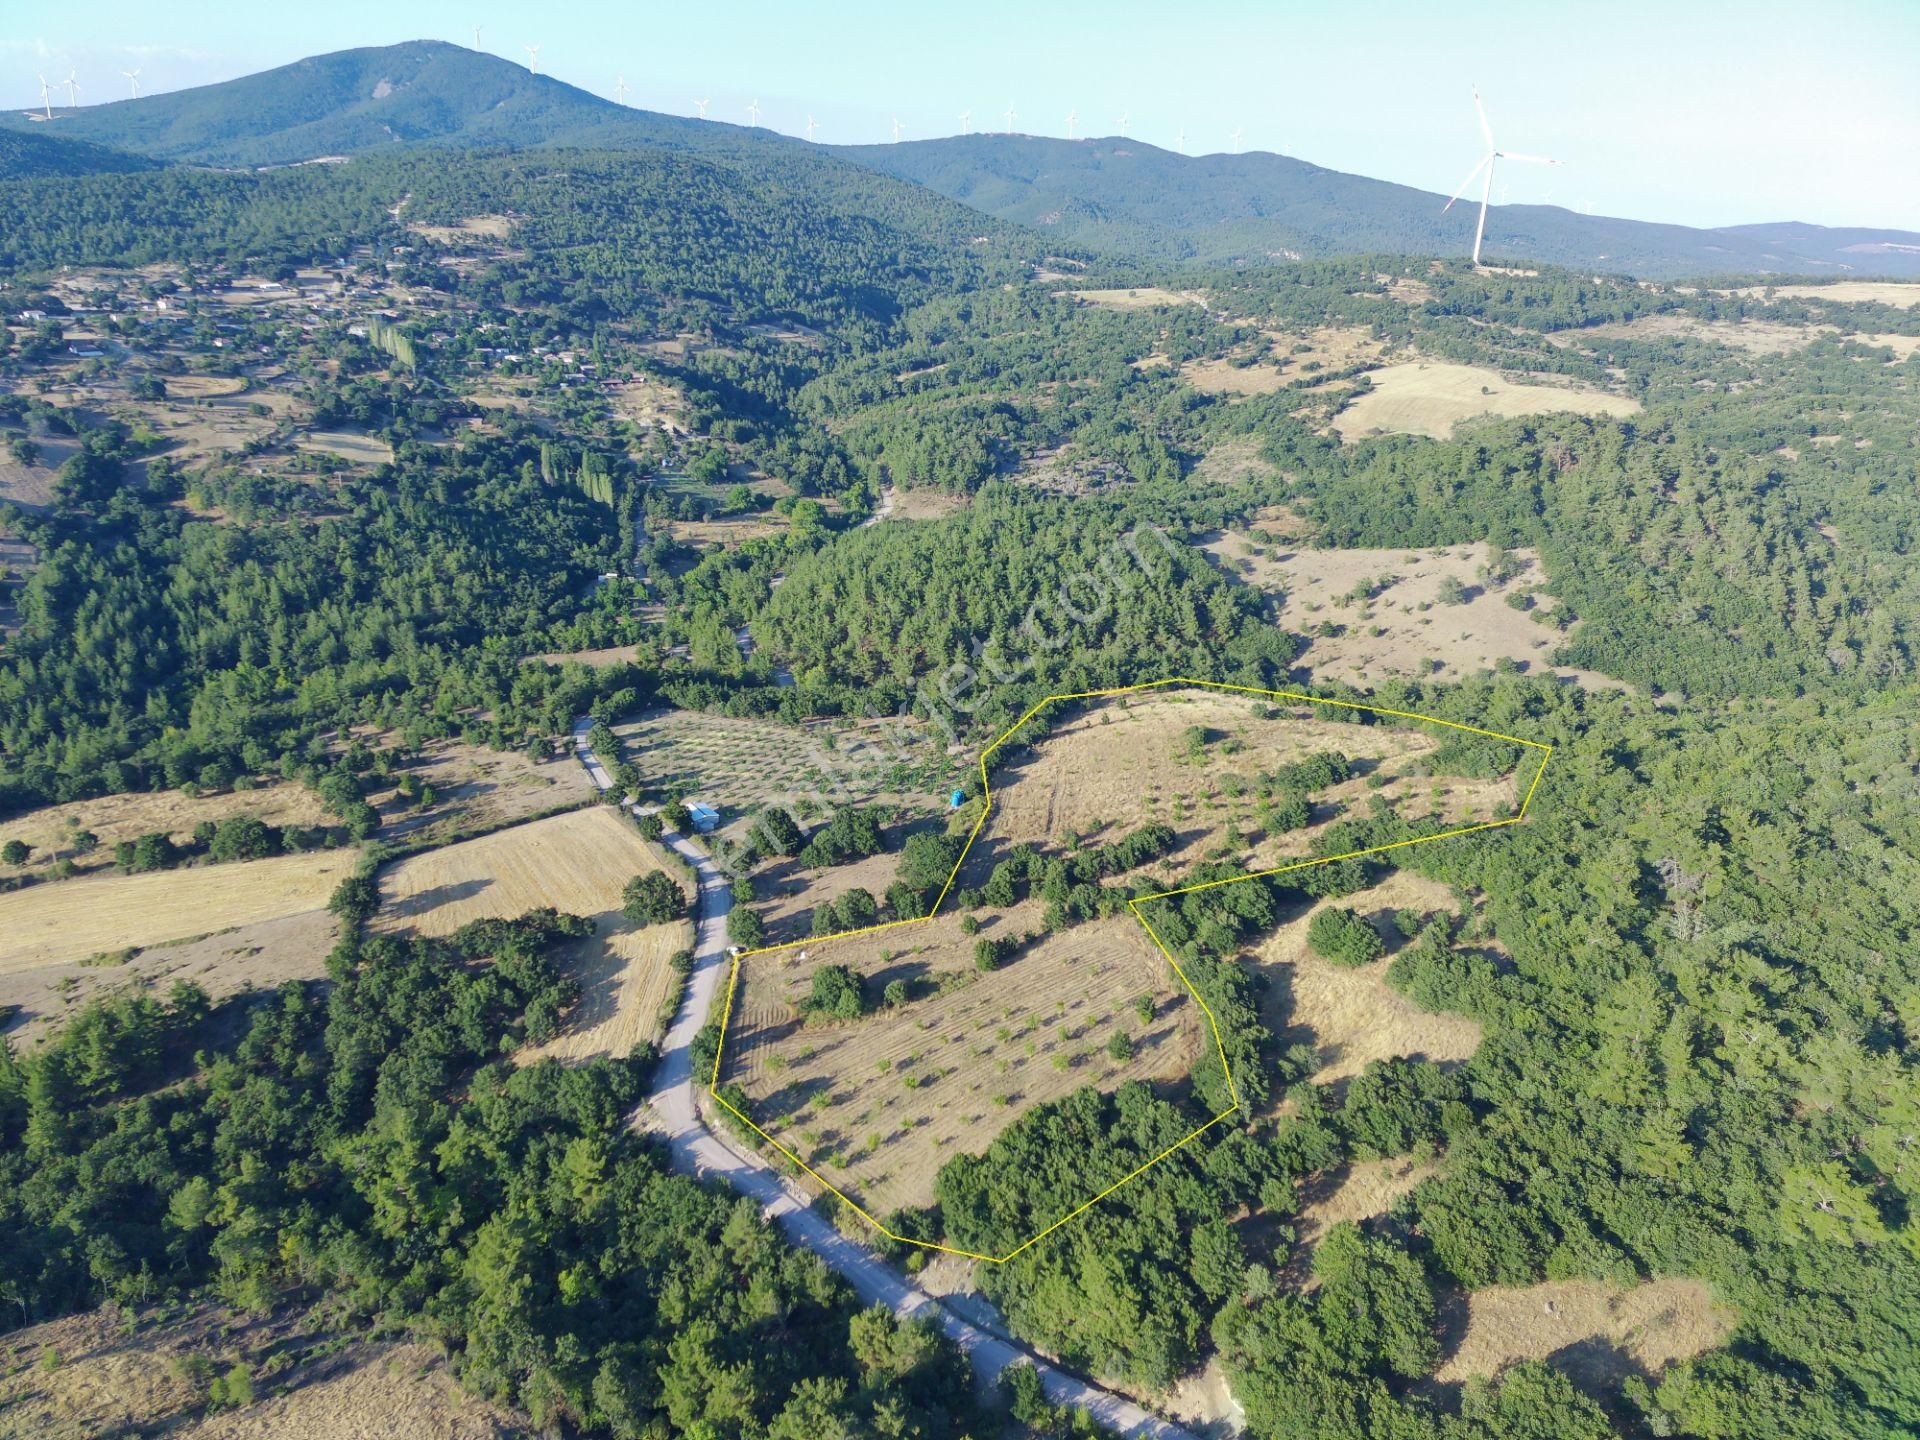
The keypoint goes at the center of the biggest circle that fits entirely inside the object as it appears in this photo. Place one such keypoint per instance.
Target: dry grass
(1403, 628)
(593, 659)
(1597, 1333)
(473, 227)
(1904, 347)
(1232, 461)
(650, 402)
(1141, 297)
(923, 504)
(577, 863)
(1845, 292)
(1221, 377)
(347, 445)
(959, 1062)
(1429, 397)
(1756, 337)
(1351, 1016)
(114, 818)
(58, 923)
(203, 387)
(1356, 1192)
(1120, 764)
(111, 1382)
(476, 787)
(247, 957)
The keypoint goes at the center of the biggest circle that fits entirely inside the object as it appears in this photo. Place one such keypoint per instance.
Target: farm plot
(474, 787)
(348, 445)
(878, 1103)
(1844, 292)
(1367, 615)
(1139, 297)
(577, 863)
(1126, 762)
(56, 924)
(1428, 397)
(743, 765)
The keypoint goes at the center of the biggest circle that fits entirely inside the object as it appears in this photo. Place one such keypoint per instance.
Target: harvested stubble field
(577, 863)
(57, 923)
(877, 1104)
(347, 445)
(1350, 1015)
(1429, 397)
(1597, 1333)
(1404, 626)
(113, 818)
(1122, 763)
(742, 765)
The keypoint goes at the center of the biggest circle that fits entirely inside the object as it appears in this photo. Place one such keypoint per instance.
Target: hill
(1124, 195)
(353, 101)
(35, 154)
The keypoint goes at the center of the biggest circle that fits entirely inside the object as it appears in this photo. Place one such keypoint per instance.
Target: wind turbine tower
(476, 37)
(620, 90)
(896, 129)
(966, 122)
(73, 89)
(133, 81)
(810, 129)
(1235, 137)
(1011, 116)
(533, 58)
(753, 113)
(1073, 119)
(1487, 165)
(701, 106)
(1122, 123)
(46, 100)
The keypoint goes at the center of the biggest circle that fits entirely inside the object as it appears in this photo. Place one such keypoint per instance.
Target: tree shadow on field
(427, 900)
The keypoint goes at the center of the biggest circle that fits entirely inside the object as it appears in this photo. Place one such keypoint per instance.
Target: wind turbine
(476, 37)
(1487, 163)
(810, 129)
(966, 122)
(1073, 119)
(896, 129)
(1122, 123)
(133, 80)
(1011, 116)
(1235, 137)
(533, 58)
(1180, 141)
(702, 106)
(753, 113)
(46, 100)
(73, 89)
(620, 90)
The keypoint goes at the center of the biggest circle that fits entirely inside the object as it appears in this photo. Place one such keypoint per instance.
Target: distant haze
(1697, 114)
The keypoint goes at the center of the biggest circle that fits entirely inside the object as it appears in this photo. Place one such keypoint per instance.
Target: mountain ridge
(1109, 195)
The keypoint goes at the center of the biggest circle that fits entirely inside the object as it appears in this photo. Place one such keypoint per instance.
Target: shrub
(1342, 937)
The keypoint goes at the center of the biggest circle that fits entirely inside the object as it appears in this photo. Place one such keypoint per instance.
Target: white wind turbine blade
(1527, 159)
(1486, 129)
(1472, 175)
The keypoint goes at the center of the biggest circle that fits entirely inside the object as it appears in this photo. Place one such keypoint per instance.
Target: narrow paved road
(699, 1151)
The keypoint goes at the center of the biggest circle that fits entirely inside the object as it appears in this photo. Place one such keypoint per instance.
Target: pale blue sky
(1697, 111)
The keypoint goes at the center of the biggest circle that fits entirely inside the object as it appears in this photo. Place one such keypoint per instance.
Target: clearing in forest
(1597, 1333)
(866, 1057)
(55, 924)
(1429, 397)
(1845, 292)
(578, 863)
(1444, 612)
(1139, 297)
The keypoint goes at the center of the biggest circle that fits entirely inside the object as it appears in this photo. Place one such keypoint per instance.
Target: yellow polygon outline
(1134, 905)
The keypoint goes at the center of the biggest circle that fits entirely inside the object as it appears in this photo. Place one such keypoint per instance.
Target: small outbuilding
(705, 817)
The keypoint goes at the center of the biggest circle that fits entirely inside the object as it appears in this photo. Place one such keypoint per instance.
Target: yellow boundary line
(733, 976)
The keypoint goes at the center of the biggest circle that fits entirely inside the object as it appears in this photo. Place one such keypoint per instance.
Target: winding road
(697, 1150)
